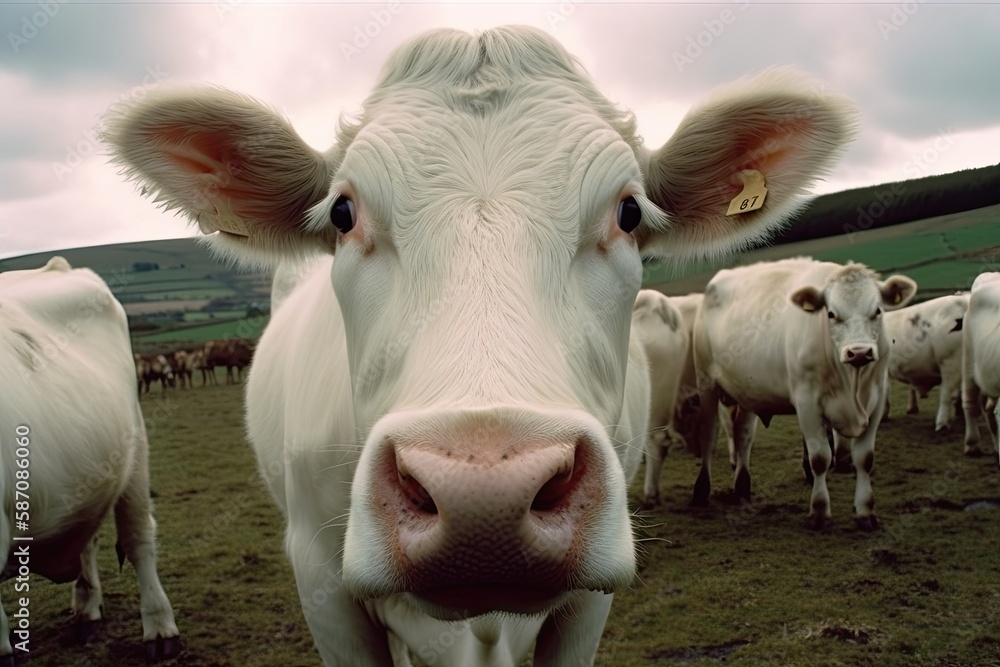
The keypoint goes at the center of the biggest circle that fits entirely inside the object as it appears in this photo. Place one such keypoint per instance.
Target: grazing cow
(804, 337)
(213, 354)
(927, 351)
(73, 447)
(981, 358)
(157, 368)
(234, 353)
(435, 412)
(659, 326)
(200, 362)
(183, 365)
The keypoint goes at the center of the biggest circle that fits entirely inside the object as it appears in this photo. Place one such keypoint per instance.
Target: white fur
(67, 374)
(659, 325)
(927, 351)
(485, 279)
(981, 357)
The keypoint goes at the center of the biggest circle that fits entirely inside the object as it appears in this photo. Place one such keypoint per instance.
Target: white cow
(981, 357)
(927, 351)
(804, 337)
(73, 447)
(659, 326)
(436, 411)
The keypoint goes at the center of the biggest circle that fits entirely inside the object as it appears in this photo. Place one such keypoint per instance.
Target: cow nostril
(415, 493)
(557, 489)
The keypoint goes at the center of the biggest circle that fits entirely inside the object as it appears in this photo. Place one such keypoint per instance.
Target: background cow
(927, 351)
(183, 366)
(234, 353)
(157, 368)
(69, 410)
(804, 337)
(659, 326)
(454, 384)
(981, 358)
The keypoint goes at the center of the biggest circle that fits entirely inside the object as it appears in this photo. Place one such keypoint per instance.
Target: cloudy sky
(926, 77)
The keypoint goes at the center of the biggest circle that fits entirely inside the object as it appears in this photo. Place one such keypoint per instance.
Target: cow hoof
(742, 485)
(87, 631)
(819, 523)
(7, 660)
(650, 503)
(972, 451)
(868, 524)
(913, 411)
(942, 427)
(162, 648)
(702, 490)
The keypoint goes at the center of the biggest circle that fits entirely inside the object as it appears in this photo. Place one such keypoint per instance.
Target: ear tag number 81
(753, 194)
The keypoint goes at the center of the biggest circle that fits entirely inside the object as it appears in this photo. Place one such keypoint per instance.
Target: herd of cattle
(784, 358)
(178, 368)
(471, 383)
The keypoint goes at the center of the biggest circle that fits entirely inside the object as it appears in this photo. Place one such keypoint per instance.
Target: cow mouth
(471, 601)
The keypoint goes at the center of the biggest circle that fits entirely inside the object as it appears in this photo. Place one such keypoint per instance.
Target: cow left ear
(763, 141)
(897, 291)
(808, 299)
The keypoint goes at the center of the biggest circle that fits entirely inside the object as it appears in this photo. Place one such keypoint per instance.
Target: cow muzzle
(474, 523)
(858, 355)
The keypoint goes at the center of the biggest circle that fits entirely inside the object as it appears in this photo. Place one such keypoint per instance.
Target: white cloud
(313, 61)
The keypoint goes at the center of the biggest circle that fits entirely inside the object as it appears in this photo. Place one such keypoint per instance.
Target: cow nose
(462, 517)
(858, 355)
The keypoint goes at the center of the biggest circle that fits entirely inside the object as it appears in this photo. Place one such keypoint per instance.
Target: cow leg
(972, 405)
(996, 416)
(820, 458)
(863, 456)
(951, 384)
(707, 433)
(137, 540)
(656, 454)
(744, 426)
(570, 635)
(912, 407)
(87, 602)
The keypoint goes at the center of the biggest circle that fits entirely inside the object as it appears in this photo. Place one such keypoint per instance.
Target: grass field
(942, 254)
(749, 584)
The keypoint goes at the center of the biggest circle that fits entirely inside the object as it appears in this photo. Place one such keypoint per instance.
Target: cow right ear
(808, 299)
(228, 163)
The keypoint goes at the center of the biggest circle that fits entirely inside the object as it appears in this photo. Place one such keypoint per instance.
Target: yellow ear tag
(753, 194)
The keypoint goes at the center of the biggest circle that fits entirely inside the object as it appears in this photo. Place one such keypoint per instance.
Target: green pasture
(241, 327)
(942, 254)
(744, 586)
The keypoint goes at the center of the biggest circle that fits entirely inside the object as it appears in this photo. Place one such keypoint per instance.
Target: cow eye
(629, 215)
(342, 214)
(830, 314)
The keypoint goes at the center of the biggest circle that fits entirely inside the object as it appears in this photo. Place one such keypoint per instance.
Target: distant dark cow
(235, 353)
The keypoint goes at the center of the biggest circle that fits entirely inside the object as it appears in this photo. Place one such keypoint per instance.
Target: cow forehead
(853, 289)
(536, 147)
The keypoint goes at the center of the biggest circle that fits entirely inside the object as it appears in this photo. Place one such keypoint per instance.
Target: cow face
(853, 300)
(487, 212)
